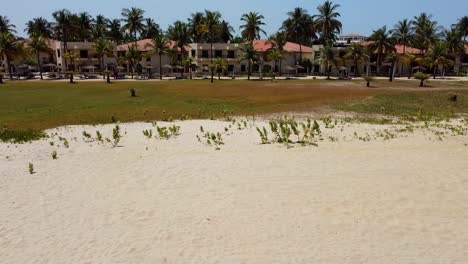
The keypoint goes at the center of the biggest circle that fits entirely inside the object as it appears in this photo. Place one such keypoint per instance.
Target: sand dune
(402, 200)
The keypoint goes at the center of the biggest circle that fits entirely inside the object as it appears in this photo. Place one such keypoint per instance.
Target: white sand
(403, 200)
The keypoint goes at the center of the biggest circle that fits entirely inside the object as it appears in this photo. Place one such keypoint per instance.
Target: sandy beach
(357, 197)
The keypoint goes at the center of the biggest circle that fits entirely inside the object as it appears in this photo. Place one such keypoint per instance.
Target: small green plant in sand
(64, 141)
(329, 122)
(116, 136)
(99, 137)
(148, 133)
(20, 136)
(213, 139)
(167, 132)
(31, 168)
(54, 155)
(284, 128)
(87, 137)
(263, 135)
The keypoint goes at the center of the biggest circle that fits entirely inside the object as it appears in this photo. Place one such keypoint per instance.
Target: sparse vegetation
(54, 155)
(31, 168)
(20, 136)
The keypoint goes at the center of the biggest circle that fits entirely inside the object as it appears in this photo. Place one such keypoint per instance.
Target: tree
(133, 21)
(462, 25)
(276, 55)
(357, 53)
(393, 59)
(180, 33)
(219, 65)
(299, 27)
(63, 25)
(278, 41)
(39, 26)
(326, 21)
(114, 31)
(209, 29)
(159, 45)
(5, 25)
(421, 77)
(250, 54)
(38, 45)
(426, 31)
(102, 48)
(382, 43)
(132, 57)
(151, 29)
(84, 21)
(328, 57)
(225, 32)
(403, 33)
(195, 22)
(252, 27)
(438, 57)
(455, 44)
(10, 48)
(410, 60)
(72, 57)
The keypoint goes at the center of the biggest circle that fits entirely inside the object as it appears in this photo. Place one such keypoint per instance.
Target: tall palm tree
(225, 32)
(180, 33)
(328, 57)
(411, 60)
(159, 45)
(358, 54)
(438, 57)
(402, 32)
(195, 22)
(252, 27)
(10, 48)
(250, 54)
(84, 25)
(114, 31)
(210, 28)
(278, 41)
(277, 56)
(219, 65)
(462, 25)
(455, 44)
(382, 43)
(39, 26)
(102, 47)
(426, 31)
(38, 45)
(133, 21)
(6, 26)
(132, 57)
(299, 27)
(151, 29)
(326, 21)
(63, 25)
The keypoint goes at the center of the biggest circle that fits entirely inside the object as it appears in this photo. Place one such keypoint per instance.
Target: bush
(368, 80)
(421, 77)
(20, 136)
(133, 92)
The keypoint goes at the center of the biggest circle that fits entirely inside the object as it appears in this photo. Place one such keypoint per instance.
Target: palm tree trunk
(280, 64)
(211, 56)
(101, 64)
(435, 72)
(39, 65)
(249, 70)
(1, 78)
(328, 70)
(160, 67)
(390, 78)
(421, 83)
(131, 70)
(219, 75)
(9, 67)
(356, 71)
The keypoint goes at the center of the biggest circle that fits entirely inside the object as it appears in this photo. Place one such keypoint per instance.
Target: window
(58, 53)
(231, 54)
(243, 68)
(218, 53)
(84, 54)
(317, 55)
(193, 53)
(148, 59)
(230, 68)
(205, 54)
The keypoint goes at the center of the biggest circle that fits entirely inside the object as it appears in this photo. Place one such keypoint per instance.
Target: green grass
(417, 105)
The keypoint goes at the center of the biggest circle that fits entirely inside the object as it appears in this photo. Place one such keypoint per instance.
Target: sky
(357, 16)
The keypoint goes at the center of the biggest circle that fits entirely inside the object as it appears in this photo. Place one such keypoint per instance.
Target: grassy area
(416, 105)
(41, 105)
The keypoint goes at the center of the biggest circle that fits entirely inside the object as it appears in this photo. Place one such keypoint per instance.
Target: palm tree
(393, 59)
(114, 31)
(159, 45)
(357, 53)
(299, 27)
(278, 41)
(410, 60)
(38, 45)
(403, 33)
(426, 31)
(382, 43)
(252, 27)
(250, 54)
(209, 29)
(438, 57)
(39, 26)
(462, 25)
(151, 29)
(195, 22)
(219, 65)
(10, 48)
(277, 56)
(133, 21)
(455, 44)
(5, 25)
(225, 32)
(72, 57)
(102, 48)
(84, 25)
(328, 57)
(326, 22)
(132, 57)
(63, 25)
(180, 33)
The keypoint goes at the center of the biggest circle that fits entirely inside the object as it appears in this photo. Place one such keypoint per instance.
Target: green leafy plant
(116, 136)
(263, 135)
(421, 77)
(31, 168)
(54, 155)
(99, 137)
(20, 136)
(148, 133)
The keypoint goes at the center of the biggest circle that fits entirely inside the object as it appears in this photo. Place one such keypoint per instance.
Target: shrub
(20, 136)
(54, 155)
(148, 133)
(263, 135)
(99, 137)
(31, 168)
(368, 80)
(133, 92)
(421, 77)
(116, 136)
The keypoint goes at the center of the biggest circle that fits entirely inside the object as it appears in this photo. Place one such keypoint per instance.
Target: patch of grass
(20, 136)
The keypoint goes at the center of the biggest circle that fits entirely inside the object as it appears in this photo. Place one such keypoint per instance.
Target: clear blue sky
(358, 16)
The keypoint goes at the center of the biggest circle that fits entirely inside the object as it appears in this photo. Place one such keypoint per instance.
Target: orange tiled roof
(264, 45)
(399, 48)
(143, 45)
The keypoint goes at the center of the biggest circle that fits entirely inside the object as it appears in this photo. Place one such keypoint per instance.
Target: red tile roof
(143, 45)
(264, 45)
(399, 48)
